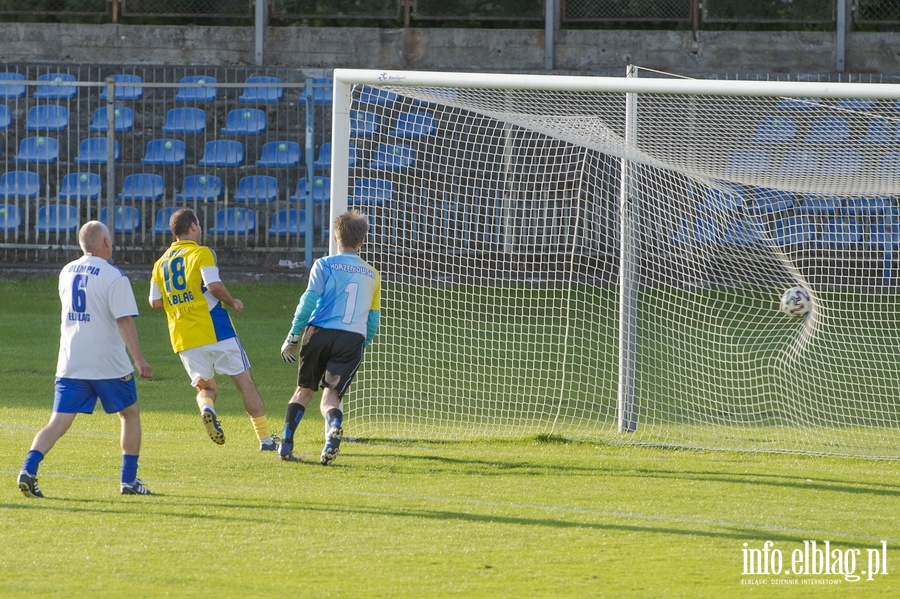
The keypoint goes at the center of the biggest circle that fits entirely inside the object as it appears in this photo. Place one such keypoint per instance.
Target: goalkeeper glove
(289, 349)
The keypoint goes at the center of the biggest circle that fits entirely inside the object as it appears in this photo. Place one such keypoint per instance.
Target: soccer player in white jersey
(185, 282)
(98, 310)
(337, 316)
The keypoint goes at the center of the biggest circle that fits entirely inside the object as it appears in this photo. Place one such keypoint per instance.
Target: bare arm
(128, 331)
(220, 292)
(157, 303)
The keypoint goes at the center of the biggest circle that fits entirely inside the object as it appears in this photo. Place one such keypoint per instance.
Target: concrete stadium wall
(577, 52)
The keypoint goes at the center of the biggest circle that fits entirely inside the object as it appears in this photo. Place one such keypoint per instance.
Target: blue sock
(32, 461)
(129, 468)
(291, 419)
(334, 418)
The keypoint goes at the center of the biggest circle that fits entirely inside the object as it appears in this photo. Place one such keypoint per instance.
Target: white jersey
(93, 293)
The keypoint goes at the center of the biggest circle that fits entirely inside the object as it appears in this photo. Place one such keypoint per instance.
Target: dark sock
(334, 417)
(291, 419)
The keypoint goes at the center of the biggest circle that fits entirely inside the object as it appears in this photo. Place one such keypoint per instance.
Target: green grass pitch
(536, 517)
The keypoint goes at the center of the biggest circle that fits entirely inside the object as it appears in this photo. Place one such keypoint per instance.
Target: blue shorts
(79, 396)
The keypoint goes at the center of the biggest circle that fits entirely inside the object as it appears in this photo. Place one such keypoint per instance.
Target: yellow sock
(203, 402)
(261, 426)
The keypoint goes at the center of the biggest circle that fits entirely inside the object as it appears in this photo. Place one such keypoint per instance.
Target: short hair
(350, 228)
(181, 220)
(91, 235)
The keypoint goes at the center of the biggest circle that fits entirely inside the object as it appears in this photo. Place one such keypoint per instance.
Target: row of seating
(196, 88)
(203, 188)
(64, 218)
(216, 153)
(757, 201)
(828, 130)
(839, 162)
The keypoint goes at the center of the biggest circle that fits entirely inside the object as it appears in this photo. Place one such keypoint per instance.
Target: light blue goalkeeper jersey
(348, 289)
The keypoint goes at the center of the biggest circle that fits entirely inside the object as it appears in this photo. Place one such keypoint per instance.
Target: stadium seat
(47, 117)
(700, 228)
(257, 188)
(841, 162)
(123, 120)
(841, 233)
(746, 162)
(10, 217)
(279, 154)
(124, 92)
(820, 205)
(765, 200)
(55, 88)
(323, 158)
(775, 130)
(201, 188)
(185, 119)
(828, 130)
(234, 221)
(371, 95)
(19, 185)
(855, 104)
(245, 121)
(322, 92)
(262, 94)
(80, 186)
(127, 218)
(414, 125)
(197, 88)
(10, 86)
(94, 151)
(393, 157)
(5, 117)
(868, 206)
(364, 124)
(222, 152)
(288, 222)
(164, 151)
(800, 162)
(727, 199)
(880, 131)
(321, 190)
(161, 222)
(885, 234)
(889, 164)
(798, 103)
(371, 192)
(143, 187)
(57, 218)
(742, 231)
(794, 231)
(40, 150)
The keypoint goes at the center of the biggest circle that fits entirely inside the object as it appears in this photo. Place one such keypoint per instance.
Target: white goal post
(603, 258)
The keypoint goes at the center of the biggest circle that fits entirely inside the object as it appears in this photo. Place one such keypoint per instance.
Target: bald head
(93, 237)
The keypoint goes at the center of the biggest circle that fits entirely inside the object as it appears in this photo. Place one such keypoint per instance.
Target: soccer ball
(796, 302)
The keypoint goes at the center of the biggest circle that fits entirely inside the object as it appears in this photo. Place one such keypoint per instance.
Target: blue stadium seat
(39, 150)
(841, 233)
(800, 162)
(123, 120)
(201, 188)
(880, 131)
(185, 119)
(700, 228)
(765, 200)
(855, 104)
(889, 164)
(869, 206)
(222, 152)
(10, 217)
(288, 222)
(57, 218)
(234, 221)
(371, 192)
(829, 130)
(19, 185)
(371, 95)
(123, 91)
(322, 92)
(841, 162)
(93, 150)
(47, 117)
(197, 88)
(393, 157)
(885, 234)
(798, 103)
(820, 205)
(728, 199)
(321, 190)
(10, 86)
(164, 151)
(775, 130)
(323, 158)
(127, 218)
(5, 117)
(414, 125)
(748, 162)
(80, 186)
(161, 222)
(279, 154)
(742, 231)
(795, 231)
(143, 187)
(255, 94)
(55, 88)
(245, 121)
(257, 188)
(364, 124)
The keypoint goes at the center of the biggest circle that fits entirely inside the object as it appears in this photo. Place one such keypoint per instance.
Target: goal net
(604, 259)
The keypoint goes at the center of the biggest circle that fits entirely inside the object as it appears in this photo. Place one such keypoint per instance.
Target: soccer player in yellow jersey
(185, 282)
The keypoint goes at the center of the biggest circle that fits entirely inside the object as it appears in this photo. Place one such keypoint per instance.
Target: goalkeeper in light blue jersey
(336, 319)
